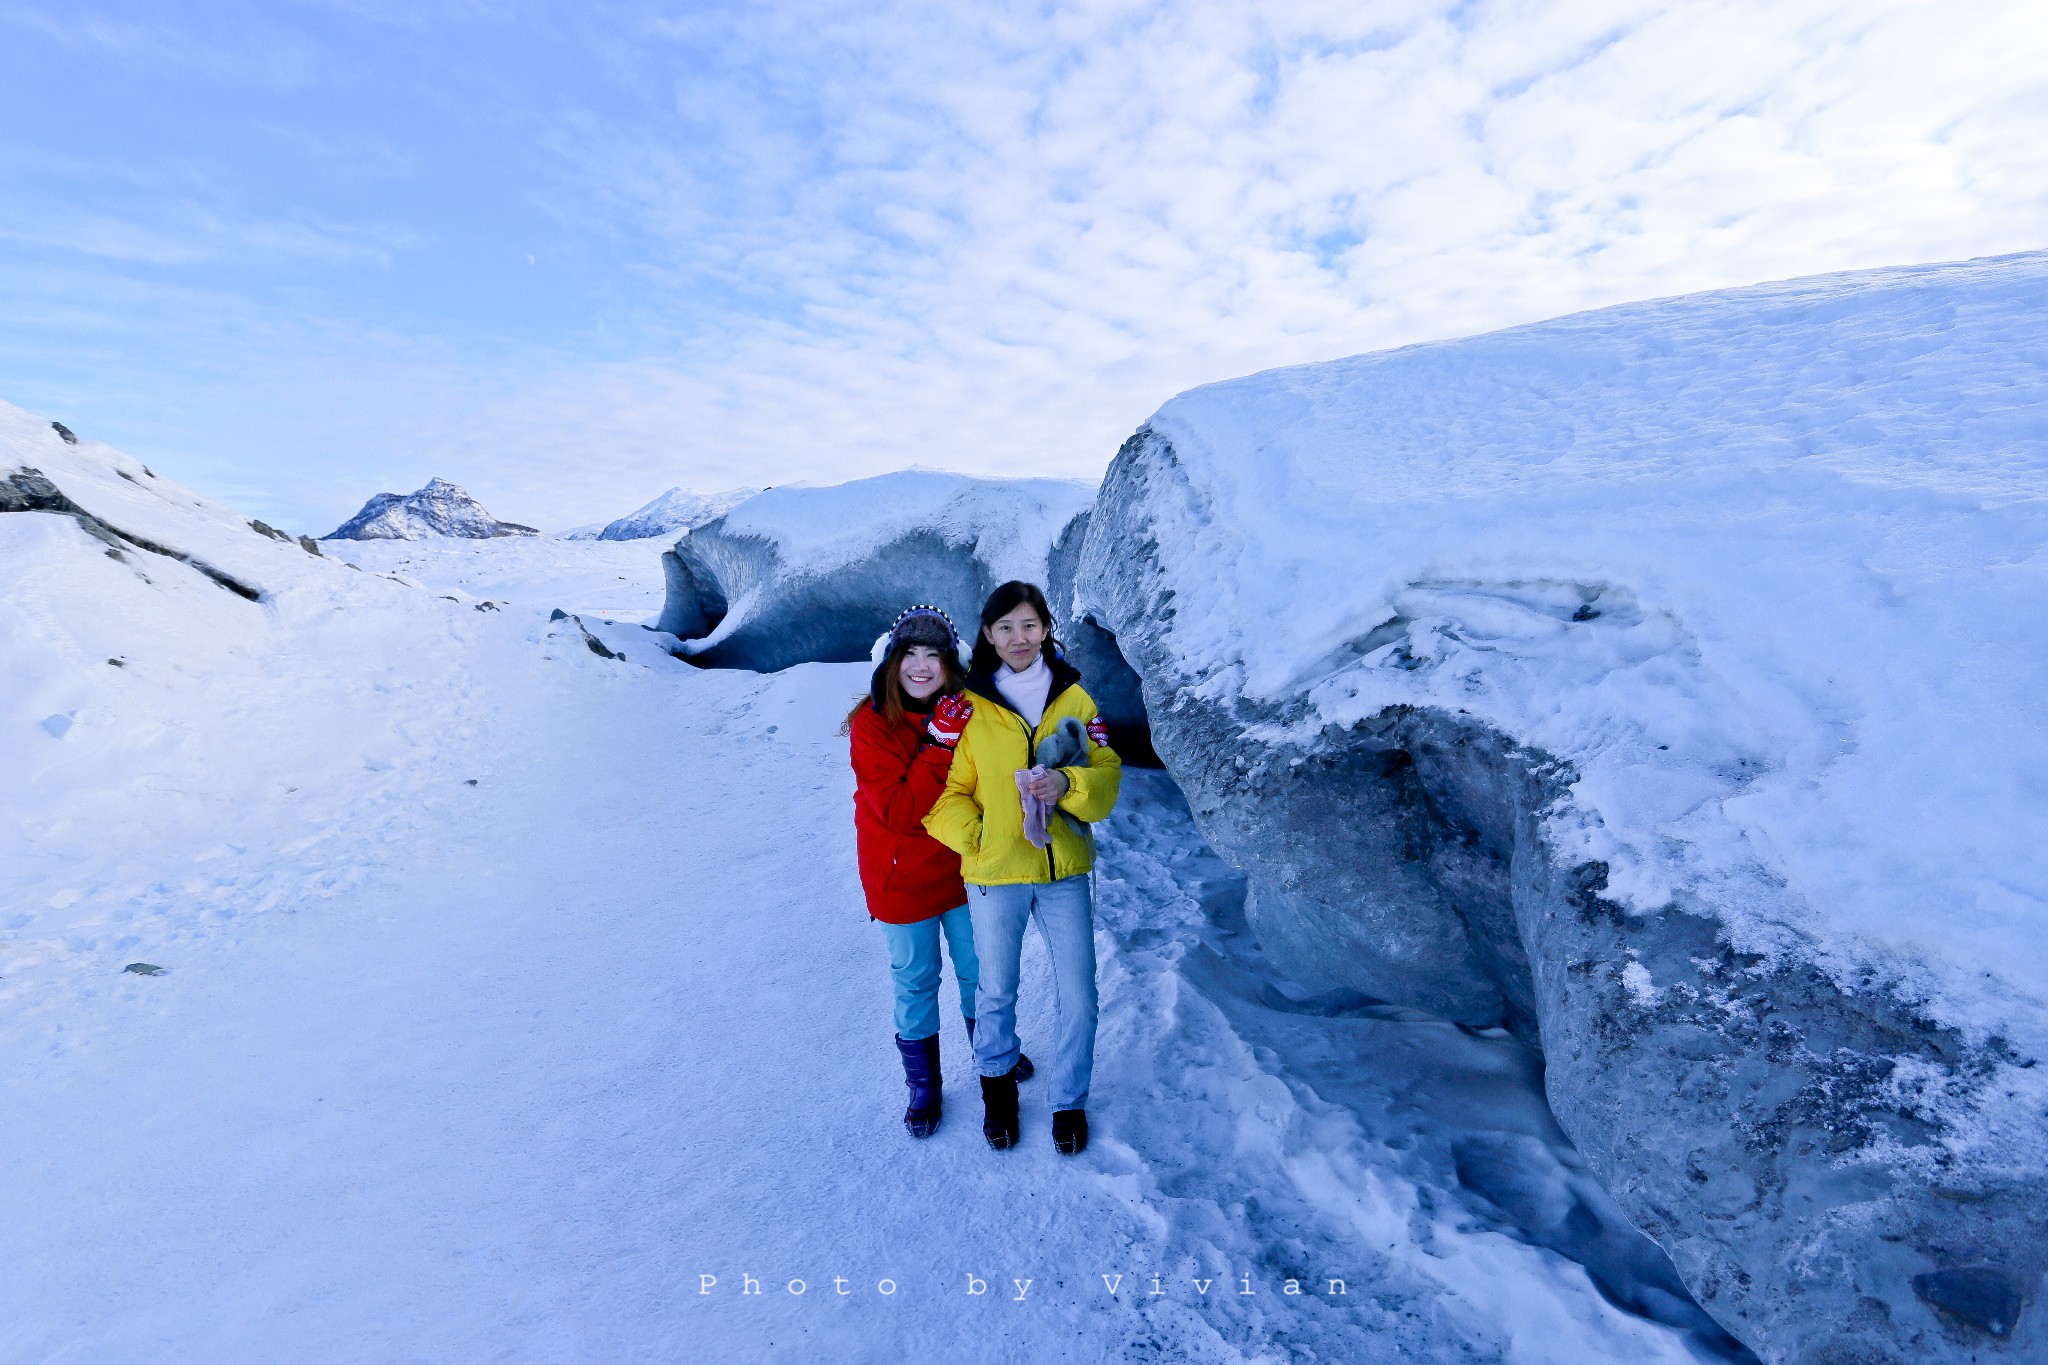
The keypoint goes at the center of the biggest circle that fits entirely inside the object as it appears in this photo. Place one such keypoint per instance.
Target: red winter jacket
(907, 874)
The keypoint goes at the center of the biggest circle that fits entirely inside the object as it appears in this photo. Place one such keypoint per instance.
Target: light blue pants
(914, 968)
(1066, 921)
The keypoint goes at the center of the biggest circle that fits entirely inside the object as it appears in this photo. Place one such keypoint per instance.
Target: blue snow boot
(1024, 1071)
(921, 1074)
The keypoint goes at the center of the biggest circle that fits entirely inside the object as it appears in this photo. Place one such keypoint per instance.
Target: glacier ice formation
(808, 575)
(1646, 681)
(1092, 648)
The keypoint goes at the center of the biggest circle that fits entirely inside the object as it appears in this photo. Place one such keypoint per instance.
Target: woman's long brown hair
(892, 707)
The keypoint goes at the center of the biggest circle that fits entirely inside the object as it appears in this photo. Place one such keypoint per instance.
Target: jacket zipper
(1052, 871)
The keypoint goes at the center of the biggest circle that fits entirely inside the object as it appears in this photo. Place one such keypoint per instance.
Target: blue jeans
(1066, 921)
(914, 968)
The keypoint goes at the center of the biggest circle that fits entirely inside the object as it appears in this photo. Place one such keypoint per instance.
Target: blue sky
(569, 256)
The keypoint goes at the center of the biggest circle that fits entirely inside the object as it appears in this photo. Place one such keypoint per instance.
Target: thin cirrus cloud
(187, 234)
(718, 245)
(245, 52)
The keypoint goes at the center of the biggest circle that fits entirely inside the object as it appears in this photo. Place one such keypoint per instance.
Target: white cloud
(997, 243)
(245, 48)
(996, 236)
(187, 234)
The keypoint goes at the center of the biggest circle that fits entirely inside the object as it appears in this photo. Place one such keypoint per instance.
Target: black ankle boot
(921, 1074)
(999, 1110)
(1025, 1070)
(1070, 1130)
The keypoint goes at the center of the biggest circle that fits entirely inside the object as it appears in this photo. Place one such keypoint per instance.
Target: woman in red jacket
(903, 733)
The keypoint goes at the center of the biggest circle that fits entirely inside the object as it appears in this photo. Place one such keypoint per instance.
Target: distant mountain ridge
(672, 513)
(439, 509)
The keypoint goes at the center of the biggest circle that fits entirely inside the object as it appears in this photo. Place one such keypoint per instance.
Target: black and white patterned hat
(923, 624)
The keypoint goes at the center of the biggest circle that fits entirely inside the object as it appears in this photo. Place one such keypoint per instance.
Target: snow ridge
(673, 513)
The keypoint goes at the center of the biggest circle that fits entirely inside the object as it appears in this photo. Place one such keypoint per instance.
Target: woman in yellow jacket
(1021, 688)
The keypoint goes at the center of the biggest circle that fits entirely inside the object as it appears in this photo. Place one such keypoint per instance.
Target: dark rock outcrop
(590, 641)
(29, 490)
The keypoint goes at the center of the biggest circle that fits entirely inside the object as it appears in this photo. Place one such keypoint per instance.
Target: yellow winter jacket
(980, 815)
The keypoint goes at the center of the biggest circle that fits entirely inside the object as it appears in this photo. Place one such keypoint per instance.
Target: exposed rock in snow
(30, 490)
(590, 642)
(673, 513)
(439, 509)
(306, 543)
(797, 575)
(135, 517)
(1656, 681)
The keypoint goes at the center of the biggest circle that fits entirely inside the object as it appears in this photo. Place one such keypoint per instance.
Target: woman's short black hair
(1001, 603)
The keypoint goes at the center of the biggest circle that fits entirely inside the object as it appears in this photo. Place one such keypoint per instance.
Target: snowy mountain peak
(439, 509)
(673, 513)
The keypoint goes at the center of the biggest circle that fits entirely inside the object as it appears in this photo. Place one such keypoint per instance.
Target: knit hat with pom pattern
(920, 625)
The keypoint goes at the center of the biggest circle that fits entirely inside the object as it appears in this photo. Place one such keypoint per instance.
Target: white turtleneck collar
(1026, 691)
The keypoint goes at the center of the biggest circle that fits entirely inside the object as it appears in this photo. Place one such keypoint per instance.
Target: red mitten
(949, 719)
(1098, 732)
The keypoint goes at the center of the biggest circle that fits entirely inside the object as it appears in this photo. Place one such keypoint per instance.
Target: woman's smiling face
(922, 672)
(1017, 637)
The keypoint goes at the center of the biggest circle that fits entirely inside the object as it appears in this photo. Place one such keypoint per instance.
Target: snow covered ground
(518, 1004)
(616, 580)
